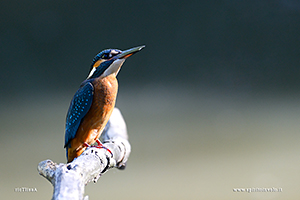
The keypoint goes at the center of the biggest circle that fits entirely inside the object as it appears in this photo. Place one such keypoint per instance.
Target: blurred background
(211, 103)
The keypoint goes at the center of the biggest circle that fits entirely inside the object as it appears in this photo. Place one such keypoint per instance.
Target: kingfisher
(94, 101)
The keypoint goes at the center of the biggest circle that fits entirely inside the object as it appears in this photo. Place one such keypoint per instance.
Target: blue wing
(79, 106)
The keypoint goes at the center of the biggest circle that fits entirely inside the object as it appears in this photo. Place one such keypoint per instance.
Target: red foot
(86, 144)
(100, 146)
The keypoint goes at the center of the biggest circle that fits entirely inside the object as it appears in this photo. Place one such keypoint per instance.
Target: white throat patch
(114, 68)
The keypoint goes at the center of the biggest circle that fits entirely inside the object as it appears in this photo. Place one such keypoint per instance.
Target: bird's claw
(86, 144)
(101, 146)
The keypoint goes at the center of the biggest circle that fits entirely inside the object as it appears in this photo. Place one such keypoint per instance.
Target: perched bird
(93, 103)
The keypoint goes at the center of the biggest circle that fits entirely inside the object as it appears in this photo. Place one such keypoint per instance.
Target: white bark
(69, 180)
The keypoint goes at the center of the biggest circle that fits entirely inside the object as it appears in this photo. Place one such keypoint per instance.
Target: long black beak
(129, 52)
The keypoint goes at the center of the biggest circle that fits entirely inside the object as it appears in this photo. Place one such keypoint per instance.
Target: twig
(68, 180)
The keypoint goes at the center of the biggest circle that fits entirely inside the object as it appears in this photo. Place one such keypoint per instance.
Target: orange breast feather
(93, 123)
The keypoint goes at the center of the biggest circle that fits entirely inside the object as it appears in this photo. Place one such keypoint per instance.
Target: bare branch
(69, 179)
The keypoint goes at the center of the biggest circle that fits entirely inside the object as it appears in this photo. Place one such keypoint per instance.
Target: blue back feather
(79, 106)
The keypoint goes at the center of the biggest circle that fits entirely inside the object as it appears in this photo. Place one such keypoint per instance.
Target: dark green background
(211, 103)
(248, 46)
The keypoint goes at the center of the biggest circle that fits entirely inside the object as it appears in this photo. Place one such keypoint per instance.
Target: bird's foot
(101, 146)
(86, 144)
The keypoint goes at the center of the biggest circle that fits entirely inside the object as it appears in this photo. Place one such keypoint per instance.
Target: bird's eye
(105, 56)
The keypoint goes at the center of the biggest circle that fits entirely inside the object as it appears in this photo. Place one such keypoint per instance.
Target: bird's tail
(67, 149)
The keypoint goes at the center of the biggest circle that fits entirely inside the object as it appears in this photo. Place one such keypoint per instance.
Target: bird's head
(109, 61)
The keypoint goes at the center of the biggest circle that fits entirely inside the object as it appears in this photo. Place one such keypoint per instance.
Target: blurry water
(186, 144)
